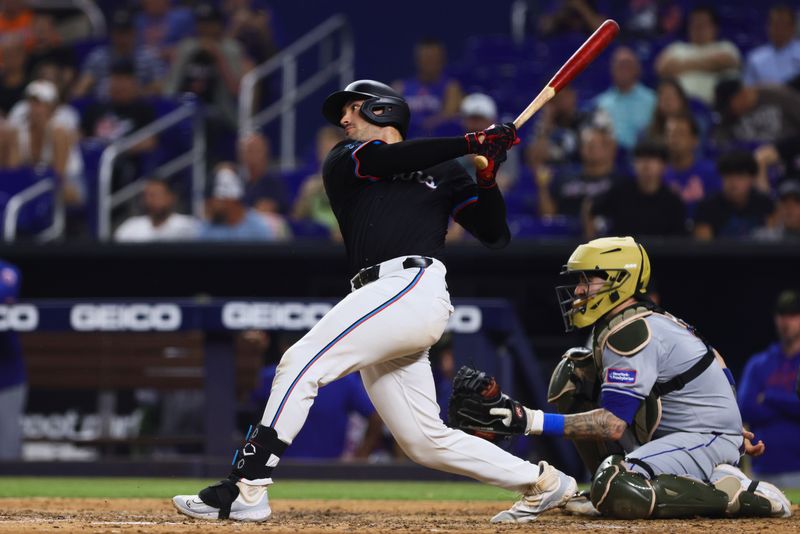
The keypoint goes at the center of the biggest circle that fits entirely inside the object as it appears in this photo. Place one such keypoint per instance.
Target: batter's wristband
(553, 424)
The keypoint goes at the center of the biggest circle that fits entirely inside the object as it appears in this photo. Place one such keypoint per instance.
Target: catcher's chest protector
(627, 333)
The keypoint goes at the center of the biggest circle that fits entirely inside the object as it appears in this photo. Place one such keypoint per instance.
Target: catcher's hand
(477, 406)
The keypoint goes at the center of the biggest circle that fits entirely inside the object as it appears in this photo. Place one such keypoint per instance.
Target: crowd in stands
(696, 134)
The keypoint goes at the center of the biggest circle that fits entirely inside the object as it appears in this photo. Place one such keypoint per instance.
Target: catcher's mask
(394, 110)
(620, 262)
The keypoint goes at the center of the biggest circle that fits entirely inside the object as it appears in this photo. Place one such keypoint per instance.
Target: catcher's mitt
(477, 406)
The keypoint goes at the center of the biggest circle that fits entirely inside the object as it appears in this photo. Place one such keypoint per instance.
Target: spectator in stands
(39, 131)
(579, 16)
(160, 26)
(48, 47)
(13, 77)
(786, 223)
(756, 114)
(670, 100)
(629, 103)
(228, 218)
(325, 434)
(777, 62)
(312, 202)
(433, 96)
(557, 130)
(265, 191)
(13, 382)
(767, 398)
(149, 68)
(739, 208)
(564, 193)
(642, 207)
(777, 160)
(122, 113)
(210, 66)
(478, 111)
(251, 25)
(648, 19)
(689, 174)
(159, 222)
(702, 61)
(16, 22)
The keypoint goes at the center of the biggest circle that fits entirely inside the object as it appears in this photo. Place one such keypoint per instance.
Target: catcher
(649, 405)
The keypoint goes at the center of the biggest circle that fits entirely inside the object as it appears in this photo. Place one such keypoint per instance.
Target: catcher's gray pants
(12, 404)
(686, 453)
(384, 330)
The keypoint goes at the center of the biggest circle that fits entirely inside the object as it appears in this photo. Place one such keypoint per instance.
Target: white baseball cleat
(551, 490)
(732, 481)
(245, 502)
(580, 504)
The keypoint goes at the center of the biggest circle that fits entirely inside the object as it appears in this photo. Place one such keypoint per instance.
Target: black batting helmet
(378, 96)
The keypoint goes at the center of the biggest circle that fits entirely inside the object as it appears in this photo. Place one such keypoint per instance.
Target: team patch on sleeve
(620, 376)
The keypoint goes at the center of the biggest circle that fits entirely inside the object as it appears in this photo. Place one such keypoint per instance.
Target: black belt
(370, 274)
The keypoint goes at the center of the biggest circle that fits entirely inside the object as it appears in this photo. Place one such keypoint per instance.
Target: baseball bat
(588, 52)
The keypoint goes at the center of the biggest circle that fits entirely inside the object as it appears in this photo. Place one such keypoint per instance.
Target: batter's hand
(750, 449)
(486, 177)
(493, 141)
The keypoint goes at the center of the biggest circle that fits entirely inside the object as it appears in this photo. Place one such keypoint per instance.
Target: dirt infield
(128, 516)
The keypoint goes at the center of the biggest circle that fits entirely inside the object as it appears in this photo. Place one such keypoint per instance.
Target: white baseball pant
(384, 330)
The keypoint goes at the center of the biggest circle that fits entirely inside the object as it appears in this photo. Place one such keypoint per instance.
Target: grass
(164, 488)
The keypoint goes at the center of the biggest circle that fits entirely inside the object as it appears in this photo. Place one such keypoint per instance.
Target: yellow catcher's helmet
(620, 261)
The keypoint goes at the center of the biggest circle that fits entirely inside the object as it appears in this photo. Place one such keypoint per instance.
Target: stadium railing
(292, 90)
(193, 158)
(34, 199)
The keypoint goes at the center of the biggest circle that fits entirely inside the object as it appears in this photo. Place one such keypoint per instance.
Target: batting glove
(493, 141)
(486, 177)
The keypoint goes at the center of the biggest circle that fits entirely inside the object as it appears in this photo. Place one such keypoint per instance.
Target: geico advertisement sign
(300, 316)
(19, 317)
(273, 315)
(120, 317)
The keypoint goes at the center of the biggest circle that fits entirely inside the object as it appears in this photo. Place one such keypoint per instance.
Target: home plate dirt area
(290, 516)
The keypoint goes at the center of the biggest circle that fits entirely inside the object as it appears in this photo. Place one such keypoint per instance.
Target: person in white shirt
(703, 61)
(160, 222)
(42, 131)
(778, 61)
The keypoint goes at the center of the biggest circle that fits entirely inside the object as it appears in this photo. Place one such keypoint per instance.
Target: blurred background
(166, 235)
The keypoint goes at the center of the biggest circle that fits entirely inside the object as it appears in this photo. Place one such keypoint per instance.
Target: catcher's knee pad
(617, 492)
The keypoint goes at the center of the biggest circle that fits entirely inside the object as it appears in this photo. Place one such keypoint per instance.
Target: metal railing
(18, 201)
(519, 20)
(292, 92)
(108, 200)
(93, 13)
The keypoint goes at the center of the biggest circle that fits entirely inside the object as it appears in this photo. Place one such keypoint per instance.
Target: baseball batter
(667, 434)
(393, 199)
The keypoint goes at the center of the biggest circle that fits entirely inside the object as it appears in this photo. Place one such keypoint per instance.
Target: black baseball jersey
(386, 208)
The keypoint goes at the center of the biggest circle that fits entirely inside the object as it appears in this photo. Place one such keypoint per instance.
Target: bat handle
(481, 162)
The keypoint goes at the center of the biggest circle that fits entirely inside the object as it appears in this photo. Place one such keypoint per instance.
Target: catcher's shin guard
(619, 493)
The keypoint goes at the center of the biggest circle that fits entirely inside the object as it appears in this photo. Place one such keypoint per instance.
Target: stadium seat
(309, 230)
(36, 215)
(558, 226)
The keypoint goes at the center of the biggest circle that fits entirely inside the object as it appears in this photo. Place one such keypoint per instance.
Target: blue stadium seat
(525, 226)
(36, 215)
(309, 230)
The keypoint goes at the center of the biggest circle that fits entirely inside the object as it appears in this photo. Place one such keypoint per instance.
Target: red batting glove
(493, 140)
(486, 178)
